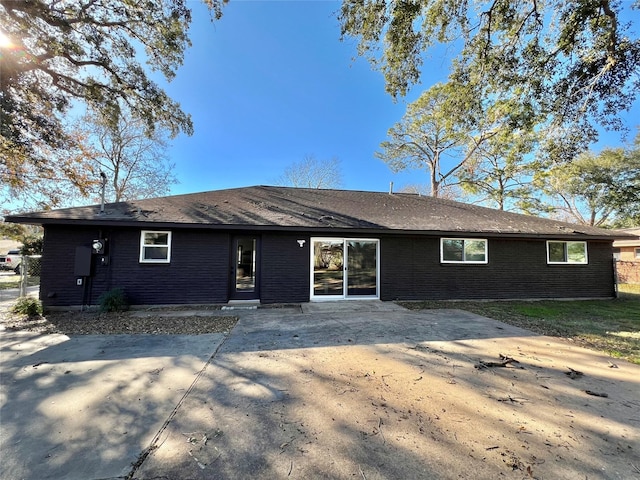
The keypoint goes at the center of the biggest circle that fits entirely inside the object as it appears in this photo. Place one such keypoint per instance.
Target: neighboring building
(627, 255)
(627, 250)
(279, 245)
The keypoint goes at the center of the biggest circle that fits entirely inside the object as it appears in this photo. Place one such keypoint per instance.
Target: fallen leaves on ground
(92, 323)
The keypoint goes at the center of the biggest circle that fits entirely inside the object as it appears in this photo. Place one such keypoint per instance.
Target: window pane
(156, 238)
(474, 250)
(156, 253)
(361, 267)
(328, 271)
(246, 265)
(452, 250)
(557, 252)
(576, 252)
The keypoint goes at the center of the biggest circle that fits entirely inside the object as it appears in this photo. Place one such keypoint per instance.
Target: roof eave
(313, 230)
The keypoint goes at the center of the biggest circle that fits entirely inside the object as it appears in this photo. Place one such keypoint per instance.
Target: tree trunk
(435, 184)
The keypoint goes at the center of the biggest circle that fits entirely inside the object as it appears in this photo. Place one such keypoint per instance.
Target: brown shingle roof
(269, 207)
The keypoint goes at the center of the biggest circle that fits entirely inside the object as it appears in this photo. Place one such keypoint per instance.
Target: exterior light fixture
(98, 246)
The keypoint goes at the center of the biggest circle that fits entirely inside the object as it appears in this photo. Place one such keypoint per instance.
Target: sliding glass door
(344, 268)
(328, 267)
(362, 268)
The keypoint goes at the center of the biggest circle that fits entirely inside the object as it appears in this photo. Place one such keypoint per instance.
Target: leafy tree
(596, 189)
(60, 180)
(569, 65)
(14, 231)
(31, 236)
(441, 132)
(135, 162)
(32, 245)
(501, 170)
(56, 55)
(312, 173)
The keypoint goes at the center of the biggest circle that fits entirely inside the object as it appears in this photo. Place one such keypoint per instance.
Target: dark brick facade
(410, 269)
(285, 269)
(198, 272)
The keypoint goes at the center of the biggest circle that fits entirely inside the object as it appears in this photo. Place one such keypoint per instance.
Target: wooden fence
(628, 272)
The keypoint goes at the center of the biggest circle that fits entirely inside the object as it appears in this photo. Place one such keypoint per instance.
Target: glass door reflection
(344, 268)
(245, 265)
(328, 267)
(362, 267)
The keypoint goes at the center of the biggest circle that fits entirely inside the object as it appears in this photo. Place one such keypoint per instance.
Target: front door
(344, 268)
(244, 272)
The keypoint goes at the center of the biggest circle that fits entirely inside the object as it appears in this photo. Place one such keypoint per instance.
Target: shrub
(113, 300)
(28, 306)
(32, 245)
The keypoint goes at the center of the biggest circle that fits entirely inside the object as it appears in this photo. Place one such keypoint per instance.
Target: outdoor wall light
(301, 243)
(98, 246)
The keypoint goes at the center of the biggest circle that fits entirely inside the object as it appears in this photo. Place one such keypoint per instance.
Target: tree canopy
(444, 130)
(55, 55)
(572, 66)
(500, 171)
(598, 189)
(135, 163)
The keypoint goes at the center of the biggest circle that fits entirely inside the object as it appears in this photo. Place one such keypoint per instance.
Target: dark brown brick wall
(285, 268)
(198, 272)
(411, 270)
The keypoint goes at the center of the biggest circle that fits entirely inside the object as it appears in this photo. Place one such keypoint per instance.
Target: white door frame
(345, 273)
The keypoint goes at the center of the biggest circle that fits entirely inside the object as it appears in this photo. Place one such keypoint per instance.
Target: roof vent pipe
(390, 188)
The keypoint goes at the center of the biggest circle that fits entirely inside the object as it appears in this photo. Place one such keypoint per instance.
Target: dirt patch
(92, 323)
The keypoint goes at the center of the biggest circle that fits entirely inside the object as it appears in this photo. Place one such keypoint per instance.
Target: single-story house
(279, 245)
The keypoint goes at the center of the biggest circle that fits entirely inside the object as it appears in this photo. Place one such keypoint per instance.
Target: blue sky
(271, 83)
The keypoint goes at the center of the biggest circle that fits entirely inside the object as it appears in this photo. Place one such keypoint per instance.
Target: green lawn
(611, 326)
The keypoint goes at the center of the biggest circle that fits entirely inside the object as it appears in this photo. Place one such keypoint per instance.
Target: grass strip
(611, 326)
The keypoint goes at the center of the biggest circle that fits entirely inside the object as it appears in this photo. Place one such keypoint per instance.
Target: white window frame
(144, 246)
(345, 287)
(568, 261)
(636, 252)
(464, 260)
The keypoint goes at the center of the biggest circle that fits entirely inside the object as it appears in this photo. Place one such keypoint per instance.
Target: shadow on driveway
(85, 407)
(379, 392)
(346, 390)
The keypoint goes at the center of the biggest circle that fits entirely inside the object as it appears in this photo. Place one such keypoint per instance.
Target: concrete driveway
(86, 407)
(363, 390)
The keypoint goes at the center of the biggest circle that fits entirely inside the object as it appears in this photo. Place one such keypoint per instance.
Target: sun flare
(5, 41)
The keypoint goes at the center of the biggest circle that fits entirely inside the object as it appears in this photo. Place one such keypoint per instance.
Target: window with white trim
(566, 252)
(636, 252)
(155, 246)
(463, 250)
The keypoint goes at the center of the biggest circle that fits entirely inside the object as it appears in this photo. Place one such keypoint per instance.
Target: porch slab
(351, 306)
